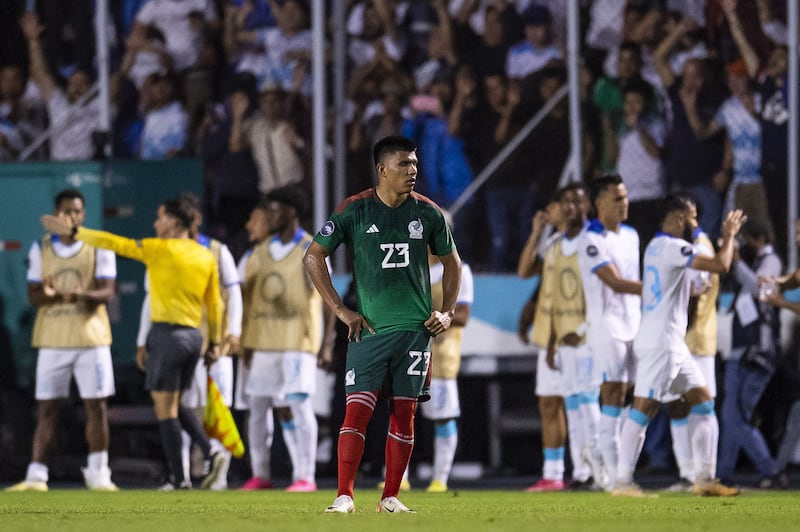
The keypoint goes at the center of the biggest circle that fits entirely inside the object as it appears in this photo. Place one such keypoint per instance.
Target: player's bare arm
(440, 321)
(317, 270)
(611, 278)
(721, 262)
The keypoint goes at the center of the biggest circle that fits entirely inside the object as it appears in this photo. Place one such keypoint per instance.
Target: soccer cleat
(299, 486)
(343, 504)
(29, 485)
(595, 461)
(545, 484)
(585, 485)
(682, 486)
(405, 485)
(393, 505)
(212, 468)
(778, 481)
(256, 483)
(99, 480)
(169, 486)
(713, 488)
(437, 486)
(631, 489)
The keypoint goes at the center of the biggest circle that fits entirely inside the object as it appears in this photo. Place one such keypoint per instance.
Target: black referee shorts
(173, 352)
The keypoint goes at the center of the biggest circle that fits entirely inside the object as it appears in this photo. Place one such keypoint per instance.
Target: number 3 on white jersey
(401, 250)
(416, 358)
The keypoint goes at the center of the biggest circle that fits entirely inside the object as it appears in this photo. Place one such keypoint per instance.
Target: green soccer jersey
(390, 258)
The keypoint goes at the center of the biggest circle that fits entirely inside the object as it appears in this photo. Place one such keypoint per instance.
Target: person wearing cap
(281, 338)
(275, 144)
(537, 49)
(184, 281)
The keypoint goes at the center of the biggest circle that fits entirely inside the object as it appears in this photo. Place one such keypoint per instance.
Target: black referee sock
(170, 430)
(194, 429)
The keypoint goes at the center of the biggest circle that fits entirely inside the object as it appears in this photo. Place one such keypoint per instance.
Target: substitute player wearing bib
(444, 407)
(70, 282)
(388, 230)
(282, 337)
(664, 363)
(567, 313)
(608, 255)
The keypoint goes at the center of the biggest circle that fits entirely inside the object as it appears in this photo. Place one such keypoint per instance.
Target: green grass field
(61, 510)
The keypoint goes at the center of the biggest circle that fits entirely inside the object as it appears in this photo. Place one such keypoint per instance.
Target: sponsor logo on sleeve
(592, 251)
(686, 251)
(327, 229)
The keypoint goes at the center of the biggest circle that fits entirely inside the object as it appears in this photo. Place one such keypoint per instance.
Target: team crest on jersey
(415, 230)
(350, 377)
(327, 229)
(686, 251)
(591, 251)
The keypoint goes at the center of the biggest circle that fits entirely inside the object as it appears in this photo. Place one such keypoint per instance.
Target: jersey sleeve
(466, 292)
(334, 232)
(35, 263)
(595, 251)
(680, 254)
(106, 265)
(441, 242)
(227, 266)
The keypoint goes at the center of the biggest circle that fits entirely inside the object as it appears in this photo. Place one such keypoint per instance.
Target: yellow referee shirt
(183, 277)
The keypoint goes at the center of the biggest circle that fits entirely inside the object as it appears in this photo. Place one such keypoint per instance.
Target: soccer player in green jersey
(388, 230)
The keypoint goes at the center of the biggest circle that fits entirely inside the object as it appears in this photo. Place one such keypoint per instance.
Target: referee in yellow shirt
(183, 279)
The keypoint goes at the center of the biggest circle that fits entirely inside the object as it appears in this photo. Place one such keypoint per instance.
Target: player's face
(398, 171)
(690, 222)
(612, 204)
(72, 209)
(572, 206)
(257, 226)
(278, 216)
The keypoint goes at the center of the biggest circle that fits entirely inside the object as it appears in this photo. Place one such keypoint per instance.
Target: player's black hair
(599, 184)
(559, 193)
(293, 195)
(191, 200)
(391, 144)
(181, 210)
(679, 201)
(68, 194)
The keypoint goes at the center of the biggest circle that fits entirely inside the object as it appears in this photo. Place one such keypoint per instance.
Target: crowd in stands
(676, 94)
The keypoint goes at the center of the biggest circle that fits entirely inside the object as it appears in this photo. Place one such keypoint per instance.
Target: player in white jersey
(608, 256)
(664, 363)
(193, 400)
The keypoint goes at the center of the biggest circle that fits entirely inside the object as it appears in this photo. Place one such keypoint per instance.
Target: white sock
(575, 428)
(608, 439)
(97, 461)
(261, 429)
(38, 472)
(307, 431)
(682, 448)
(704, 435)
(444, 449)
(186, 454)
(553, 464)
(631, 442)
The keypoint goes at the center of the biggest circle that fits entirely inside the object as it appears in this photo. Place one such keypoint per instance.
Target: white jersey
(665, 293)
(609, 315)
(466, 292)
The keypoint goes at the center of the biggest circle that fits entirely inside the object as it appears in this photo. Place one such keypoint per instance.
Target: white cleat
(343, 504)
(393, 505)
(99, 480)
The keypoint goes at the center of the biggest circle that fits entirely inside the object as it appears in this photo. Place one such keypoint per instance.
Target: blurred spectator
(71, 123)
(20, 121)
(719, 33)
(231, 177)
(178, 21)
(640, 139)
(69, 35)
(417, 20)
(275, 145)
(691, 163)
(166, 124)
(537, 50)
(280, 54)
(608, 98)
(441, 51)
(372, 33)
(485, 47)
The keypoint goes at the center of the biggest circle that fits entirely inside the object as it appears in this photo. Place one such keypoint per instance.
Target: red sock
(399, 444)
(358, 412)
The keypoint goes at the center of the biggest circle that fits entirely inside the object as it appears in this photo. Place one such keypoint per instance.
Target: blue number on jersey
(651, 289)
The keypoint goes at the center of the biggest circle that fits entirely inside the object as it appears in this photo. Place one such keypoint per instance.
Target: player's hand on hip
(141, 357)
(439, 322)
(355, 323)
